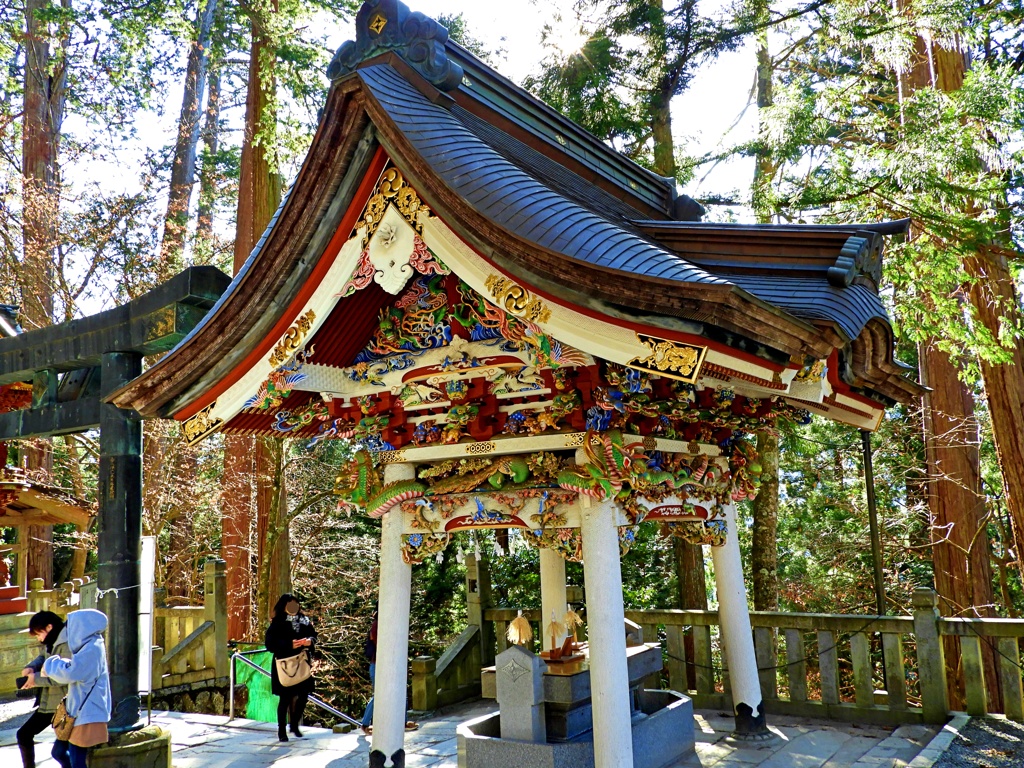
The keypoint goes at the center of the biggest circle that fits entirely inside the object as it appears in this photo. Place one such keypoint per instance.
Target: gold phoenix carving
(196, 427)
(516, 299)
(673, 359)
(292, 340)
(393, 188)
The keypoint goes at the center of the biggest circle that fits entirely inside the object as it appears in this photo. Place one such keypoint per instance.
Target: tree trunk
(693, 593)
(259, 189)
(43, 105)
(258, 194)
(994, 298)
(764, 556)
(963, 574)
(208, 174)
(274, 542)
(660, 105)
(80, 553)
(172, 246)
(235, 548)
(43, 114)
(963, 571)
(764, 163)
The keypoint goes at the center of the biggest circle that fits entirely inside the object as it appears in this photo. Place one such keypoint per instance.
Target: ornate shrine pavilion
(521, 328)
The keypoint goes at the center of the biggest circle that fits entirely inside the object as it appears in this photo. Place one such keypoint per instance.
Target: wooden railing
(453, 677)
(884, 670)
(190, 642)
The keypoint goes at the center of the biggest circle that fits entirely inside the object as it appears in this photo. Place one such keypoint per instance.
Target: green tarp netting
(262, 703)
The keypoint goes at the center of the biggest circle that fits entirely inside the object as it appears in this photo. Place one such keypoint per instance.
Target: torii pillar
(120, 535)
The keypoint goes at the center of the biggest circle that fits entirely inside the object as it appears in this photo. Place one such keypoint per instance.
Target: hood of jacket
(82, 625)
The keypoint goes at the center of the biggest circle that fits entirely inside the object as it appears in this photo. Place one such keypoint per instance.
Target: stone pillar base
(751, 728)
(149, 747)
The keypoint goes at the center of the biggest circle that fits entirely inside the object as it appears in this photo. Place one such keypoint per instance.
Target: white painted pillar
(552, 593)
(609, 676)
(392, 628)
(737, 638)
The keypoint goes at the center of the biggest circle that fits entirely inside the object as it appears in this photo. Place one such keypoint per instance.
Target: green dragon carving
(361, 487)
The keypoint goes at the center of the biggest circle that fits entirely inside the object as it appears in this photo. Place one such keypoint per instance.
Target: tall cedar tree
(43, 113)
(183, 165)
(258, 195)
(764, 560)
(880, 118)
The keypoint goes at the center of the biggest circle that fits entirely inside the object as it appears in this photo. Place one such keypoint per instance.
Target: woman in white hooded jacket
(85, 674)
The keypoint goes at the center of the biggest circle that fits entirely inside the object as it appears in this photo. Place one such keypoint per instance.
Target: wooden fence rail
(190, 643)
(884, 670)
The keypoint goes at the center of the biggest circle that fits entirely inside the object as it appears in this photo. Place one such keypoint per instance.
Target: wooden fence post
(424, 684)
(478, 600)
(931, 660)
(216, 610)
(1009, 671)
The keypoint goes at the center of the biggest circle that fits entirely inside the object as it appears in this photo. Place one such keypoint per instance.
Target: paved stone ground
(206, 741)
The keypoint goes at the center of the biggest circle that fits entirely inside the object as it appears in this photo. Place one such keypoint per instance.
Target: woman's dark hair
(43, 619)
(278, 613)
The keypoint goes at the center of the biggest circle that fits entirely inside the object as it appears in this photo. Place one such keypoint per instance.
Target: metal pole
(231, 689)
(876, 539)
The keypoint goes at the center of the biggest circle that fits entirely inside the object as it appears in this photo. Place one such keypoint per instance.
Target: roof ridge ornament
(384, 26)
(861, 254)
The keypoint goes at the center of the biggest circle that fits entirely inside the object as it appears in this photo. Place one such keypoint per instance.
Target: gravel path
(13, 712)
(986, 742)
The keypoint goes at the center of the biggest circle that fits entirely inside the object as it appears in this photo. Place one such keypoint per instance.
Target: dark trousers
(291, 707)
(36, 724)
(69, 755)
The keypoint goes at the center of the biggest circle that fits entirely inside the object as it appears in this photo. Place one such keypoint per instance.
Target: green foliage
(851, 148)
(582, 88)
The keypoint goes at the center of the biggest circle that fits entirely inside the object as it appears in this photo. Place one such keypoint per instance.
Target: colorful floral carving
(336, 429)
(15, 397)
(710, 532)
(459, 417)
(607, 469)
(417, 547)
(417, 321)
(627, 538)
(567, 542)
(372, 373)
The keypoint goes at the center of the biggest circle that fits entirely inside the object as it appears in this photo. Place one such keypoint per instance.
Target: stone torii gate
(72, 367)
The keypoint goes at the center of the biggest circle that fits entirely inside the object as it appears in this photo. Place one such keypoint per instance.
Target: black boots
(281, 735)
(28, 755)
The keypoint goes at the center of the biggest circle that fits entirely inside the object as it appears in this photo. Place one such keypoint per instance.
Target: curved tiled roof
(513, 199)
(529, 194)
(849, 308)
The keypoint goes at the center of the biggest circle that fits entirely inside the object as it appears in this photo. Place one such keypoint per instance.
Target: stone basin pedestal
(661, 721)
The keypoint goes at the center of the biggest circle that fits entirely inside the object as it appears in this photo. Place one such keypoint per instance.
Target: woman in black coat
(289, 635)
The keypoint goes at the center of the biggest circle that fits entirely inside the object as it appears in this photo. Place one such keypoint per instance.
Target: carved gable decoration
(388, 25)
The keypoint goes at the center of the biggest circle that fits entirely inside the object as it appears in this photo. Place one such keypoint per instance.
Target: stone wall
(204, 699)
(17, 648)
